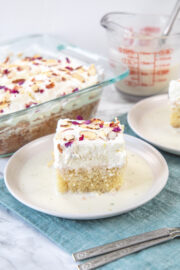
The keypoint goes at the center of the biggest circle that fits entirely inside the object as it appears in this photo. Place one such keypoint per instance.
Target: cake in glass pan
(89, 155)
(174, 97)
(29, 81)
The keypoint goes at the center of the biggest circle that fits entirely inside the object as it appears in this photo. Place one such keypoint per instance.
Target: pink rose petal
(68, 144)
(75, 90)
(116, 129)
(81, 138)
(79, 117)
(87, 122)
(68, 60)
(75, 123)
(69, 68)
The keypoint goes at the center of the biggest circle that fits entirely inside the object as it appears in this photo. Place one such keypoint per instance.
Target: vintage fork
(124, 247)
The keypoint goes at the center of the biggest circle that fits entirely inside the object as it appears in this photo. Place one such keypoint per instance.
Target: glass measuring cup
(136, 40)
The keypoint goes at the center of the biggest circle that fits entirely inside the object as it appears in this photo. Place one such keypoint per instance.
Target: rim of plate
(139, 202)
(130, 120)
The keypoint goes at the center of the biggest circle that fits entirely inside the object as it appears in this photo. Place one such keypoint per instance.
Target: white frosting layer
(27, 81)
(105, 150)
(174, 92)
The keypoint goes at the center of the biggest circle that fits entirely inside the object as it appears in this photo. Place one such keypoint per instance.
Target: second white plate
(150, 120)
(33, 183)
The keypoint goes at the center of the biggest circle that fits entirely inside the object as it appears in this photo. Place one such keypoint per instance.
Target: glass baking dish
(21, 127)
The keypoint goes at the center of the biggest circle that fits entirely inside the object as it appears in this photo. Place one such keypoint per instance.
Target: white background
(21, 246)
(77, 21)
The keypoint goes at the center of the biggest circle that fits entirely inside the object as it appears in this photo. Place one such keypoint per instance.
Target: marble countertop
(24, 248)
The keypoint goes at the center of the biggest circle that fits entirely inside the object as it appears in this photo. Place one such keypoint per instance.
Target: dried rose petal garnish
(6, 71)
(116, 129)
(87, 122)
(101, 125)
(81, 138)
(68, 144)
(79, 117)
(69, 68)
(68, 60)
(75, 123)
(13, 91)
(2, 87)
(75, 90)
(112, 124)
(1, 111)
(30, 104)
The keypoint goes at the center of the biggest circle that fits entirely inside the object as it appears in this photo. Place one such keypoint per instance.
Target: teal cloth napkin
(75, 235)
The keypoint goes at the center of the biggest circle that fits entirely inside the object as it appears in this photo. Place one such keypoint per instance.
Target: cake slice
(174, 97)
(89, 155)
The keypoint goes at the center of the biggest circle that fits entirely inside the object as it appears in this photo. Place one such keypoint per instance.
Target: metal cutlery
(124, 247)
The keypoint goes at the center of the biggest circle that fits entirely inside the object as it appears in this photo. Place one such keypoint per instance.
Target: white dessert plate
(31, 181)
(150, 120)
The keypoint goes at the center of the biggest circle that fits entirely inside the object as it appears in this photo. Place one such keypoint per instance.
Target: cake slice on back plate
(89, 155)
(174, 97)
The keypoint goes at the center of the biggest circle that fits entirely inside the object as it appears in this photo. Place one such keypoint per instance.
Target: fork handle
(99, 250)
(110, 257)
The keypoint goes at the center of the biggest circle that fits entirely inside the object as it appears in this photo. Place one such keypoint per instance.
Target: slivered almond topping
(54, 74)
(4, 103)
(35, 87)
(20, 81)
(11, 75)
(96, 127)
(6, 60)
(36, 55)
(92, 70)
(79, 67)
(80, 70)
(50, 85)
(19, 68)
(68, 137)
(102, 135)
(78, 77)
(62, 69)
(84, 126)
(59, 148)
(51, 62)
(66, 125)
(67, 129)
(90, 135)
